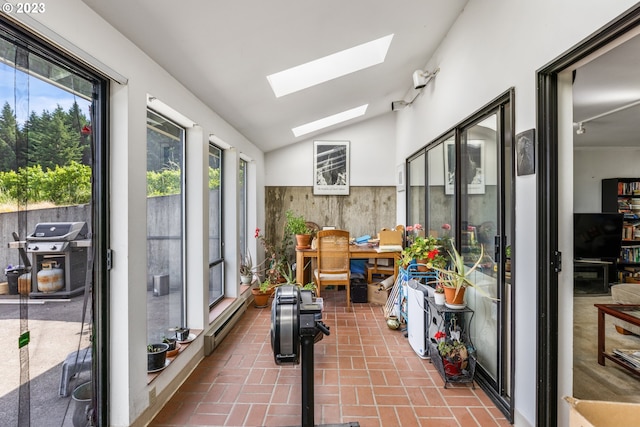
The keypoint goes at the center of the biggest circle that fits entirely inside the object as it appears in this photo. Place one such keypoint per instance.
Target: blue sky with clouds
(41, 95)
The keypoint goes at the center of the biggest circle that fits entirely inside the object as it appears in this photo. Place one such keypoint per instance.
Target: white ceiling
(223, 50)
(608, 83)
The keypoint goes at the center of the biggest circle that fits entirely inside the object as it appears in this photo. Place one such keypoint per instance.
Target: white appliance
(419, 321)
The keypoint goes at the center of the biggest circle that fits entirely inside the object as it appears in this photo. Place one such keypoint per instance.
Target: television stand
(591, 276)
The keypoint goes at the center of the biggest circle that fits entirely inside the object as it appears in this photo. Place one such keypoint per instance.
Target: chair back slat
(333, 251)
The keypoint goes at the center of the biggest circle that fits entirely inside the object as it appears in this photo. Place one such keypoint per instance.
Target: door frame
(549, 259)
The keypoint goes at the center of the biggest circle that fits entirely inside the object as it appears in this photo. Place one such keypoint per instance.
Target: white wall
(72, 23)
(371, 156)
(592, 165)
(493, 46)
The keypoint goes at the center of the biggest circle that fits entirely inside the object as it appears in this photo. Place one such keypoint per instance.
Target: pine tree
(8, 139)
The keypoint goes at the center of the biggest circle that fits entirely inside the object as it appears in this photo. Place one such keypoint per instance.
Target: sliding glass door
(465, 194)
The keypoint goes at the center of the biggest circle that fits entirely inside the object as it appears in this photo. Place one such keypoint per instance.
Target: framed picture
(474, 167)
(331, 167)
(526, 152)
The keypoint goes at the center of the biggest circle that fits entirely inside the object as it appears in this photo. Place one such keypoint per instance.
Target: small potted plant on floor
(296, 225)
(262, 293)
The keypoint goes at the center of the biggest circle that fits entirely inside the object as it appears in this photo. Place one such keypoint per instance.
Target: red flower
(257, 233)
(446, 226)
(439, 335)
(432, 254)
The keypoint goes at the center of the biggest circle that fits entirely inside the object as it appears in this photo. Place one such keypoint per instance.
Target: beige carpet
(591, 380)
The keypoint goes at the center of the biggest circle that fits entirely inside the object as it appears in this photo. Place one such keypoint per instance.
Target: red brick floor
(365, 373)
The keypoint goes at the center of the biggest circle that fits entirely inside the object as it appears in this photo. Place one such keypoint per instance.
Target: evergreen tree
(51, 140)
(8, 139)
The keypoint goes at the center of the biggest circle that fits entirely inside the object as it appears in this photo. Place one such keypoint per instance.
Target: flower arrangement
(454, 352)
(424, 250)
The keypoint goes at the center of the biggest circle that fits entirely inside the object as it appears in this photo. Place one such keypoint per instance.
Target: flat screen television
(597, 235)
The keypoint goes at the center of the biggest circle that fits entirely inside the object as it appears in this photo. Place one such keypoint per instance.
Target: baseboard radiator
(223, 324)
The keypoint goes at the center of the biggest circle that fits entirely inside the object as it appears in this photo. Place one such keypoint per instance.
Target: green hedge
(67, 185)
(71, 185)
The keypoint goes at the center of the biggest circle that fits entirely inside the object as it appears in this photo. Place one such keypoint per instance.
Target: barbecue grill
(65, 243)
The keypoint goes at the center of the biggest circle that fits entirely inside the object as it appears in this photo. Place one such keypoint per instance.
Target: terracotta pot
(422, 264)
(303, 241)
(261, 299)
(451, 297)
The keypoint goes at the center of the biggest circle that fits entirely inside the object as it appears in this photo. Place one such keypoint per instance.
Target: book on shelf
(631, 356)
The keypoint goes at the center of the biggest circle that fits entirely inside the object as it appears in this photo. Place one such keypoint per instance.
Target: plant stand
(465, 376)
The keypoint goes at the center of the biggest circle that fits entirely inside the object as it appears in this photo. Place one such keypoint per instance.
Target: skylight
(330, 120)
(330, 67)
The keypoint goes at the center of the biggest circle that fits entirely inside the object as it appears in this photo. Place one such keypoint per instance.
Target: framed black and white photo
(331, 167)
(473, 164)
(526, 152)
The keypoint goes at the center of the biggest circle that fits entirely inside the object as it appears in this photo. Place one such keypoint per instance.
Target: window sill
(183, 346)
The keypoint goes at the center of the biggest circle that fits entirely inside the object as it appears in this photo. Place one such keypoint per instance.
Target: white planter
(439, 298)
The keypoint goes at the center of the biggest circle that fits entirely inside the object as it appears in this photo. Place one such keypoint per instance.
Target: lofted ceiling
(223, 51)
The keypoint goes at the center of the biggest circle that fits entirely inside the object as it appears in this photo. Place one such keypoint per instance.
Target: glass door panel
(441, 189)
(416, 196)
(480, 172)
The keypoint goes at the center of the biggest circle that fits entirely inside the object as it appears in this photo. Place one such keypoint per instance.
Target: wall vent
(223, 324)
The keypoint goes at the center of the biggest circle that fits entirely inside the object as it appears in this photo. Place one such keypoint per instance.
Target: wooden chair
(333, 261)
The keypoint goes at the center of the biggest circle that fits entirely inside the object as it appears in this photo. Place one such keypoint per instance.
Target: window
(242, 206)
(216, 264)
(166, 287)
(51, 170)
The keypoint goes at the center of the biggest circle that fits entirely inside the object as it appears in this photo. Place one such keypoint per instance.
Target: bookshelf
(623, 195)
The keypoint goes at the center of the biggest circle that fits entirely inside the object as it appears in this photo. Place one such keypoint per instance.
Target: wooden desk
(355, 252)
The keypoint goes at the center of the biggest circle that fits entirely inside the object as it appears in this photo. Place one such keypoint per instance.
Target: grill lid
(64, 231)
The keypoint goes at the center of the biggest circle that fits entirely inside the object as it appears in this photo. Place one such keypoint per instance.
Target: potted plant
(246, 269)
(454, 352)
(262, 293)
(290, 278)
(456, 279)
(425, 251)
(156, 356)
(275, 257)
(438, 294)
(296, 225)
(173, 346)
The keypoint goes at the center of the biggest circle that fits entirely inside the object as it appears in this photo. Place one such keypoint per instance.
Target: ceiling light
(330, 67)
(580, 129)
(329, 121)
